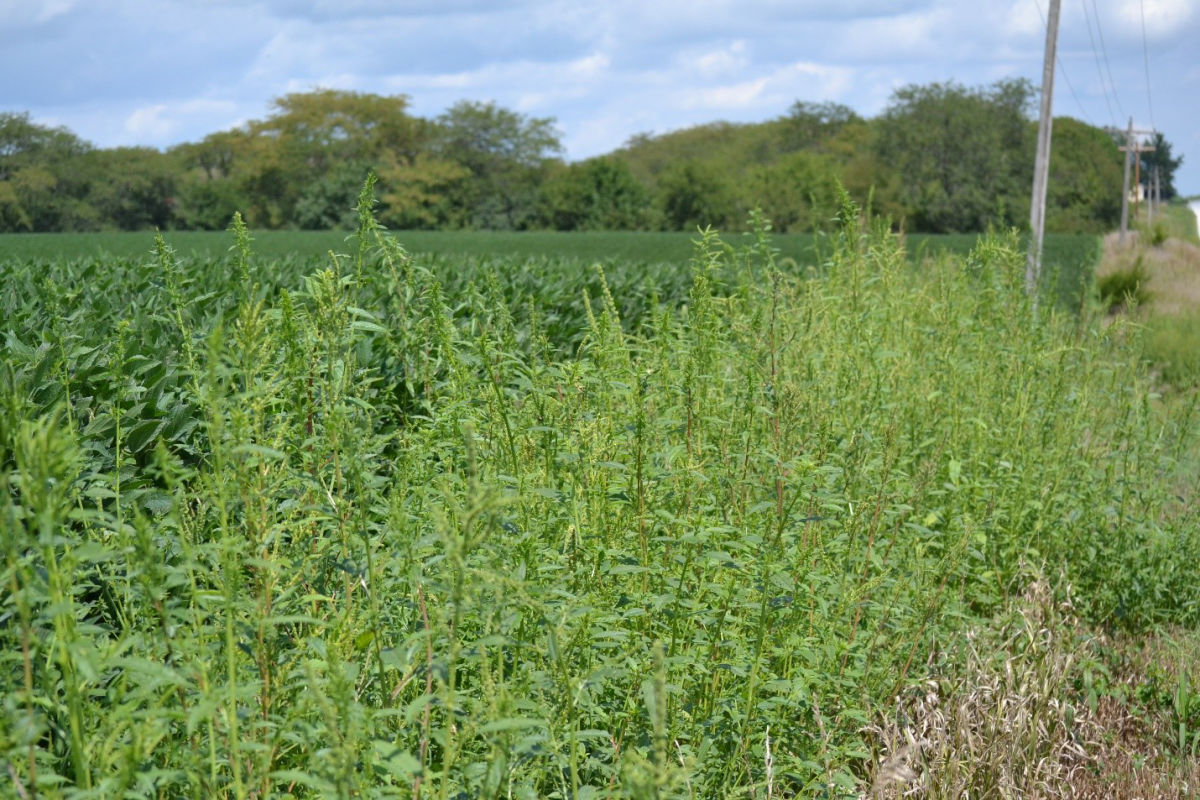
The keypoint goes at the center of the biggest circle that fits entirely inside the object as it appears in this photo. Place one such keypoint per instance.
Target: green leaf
(511, 724)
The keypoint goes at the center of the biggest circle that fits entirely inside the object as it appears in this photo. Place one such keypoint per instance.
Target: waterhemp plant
(541, 529)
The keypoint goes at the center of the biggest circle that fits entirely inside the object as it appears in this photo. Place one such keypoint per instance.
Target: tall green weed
(360, 533)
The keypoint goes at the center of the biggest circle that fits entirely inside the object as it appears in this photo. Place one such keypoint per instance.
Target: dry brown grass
(1173, 269)
(1011, 721)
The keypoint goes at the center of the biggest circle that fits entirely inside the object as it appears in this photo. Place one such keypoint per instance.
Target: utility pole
(1041, 171)
(1157, 189)
(1151, 199)
(1128, 148)
(1131, 147)
(1137, 179)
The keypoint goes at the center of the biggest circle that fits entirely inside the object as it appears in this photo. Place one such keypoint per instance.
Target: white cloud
(159, 123)
(772, 92)
(1163, 17)
(32, 12)
(911, 35)
(148, 122)
(202, 106)
(723, 61)
(1022, 20)
(720, 98)
(589, 66)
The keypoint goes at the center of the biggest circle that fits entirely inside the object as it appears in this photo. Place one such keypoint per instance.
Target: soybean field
(382, 518)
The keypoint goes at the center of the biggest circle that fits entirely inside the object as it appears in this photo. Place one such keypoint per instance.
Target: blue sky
(158, 72)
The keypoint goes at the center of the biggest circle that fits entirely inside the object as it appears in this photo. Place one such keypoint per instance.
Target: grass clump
(354, 533)
(1124, 288)
(1172, 345)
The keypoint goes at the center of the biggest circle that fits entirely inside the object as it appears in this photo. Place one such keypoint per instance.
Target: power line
(1107, 66)
(1063, 70)
(1146, 63)
(1067, 81)
(1099, 70)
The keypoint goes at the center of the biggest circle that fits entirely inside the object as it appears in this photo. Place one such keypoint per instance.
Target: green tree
(796, 192)
(965, 155)
(208, 205)
(40, 187)
(229, 171)
(597, 194)
(1160, 158)
(295, 165)
(1083, 194)
(131, 188)
(329, 201)
(419, 192)
(695, 195)
(506, 155)
(809, 125)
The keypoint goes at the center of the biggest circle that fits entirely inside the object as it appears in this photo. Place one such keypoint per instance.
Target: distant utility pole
(1151, 195)
(1041, 171)
(1131, 147)
(1128, 148)
(1157, 190)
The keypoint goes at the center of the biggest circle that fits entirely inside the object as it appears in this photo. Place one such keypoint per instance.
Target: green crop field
(1069, 258)
(655, 519)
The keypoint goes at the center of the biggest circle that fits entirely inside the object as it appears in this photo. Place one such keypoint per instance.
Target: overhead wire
(1107, 66)
(1063, 70)
(1099, 70)
(1146, 64)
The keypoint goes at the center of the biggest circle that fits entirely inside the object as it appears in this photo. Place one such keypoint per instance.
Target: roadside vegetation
(538, 528)
(1155, 276)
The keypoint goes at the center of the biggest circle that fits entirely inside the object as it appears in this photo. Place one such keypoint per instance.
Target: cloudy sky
(158, 72)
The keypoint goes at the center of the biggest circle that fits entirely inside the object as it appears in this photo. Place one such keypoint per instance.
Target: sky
(160, 72)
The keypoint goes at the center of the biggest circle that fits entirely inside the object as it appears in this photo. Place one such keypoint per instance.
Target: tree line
(940, 158)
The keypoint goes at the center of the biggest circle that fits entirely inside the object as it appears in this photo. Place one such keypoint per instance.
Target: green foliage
(40, 188)
(1084, 190)
(505, 153)
(1124, 288)
(208, 205)
(133, 188)
(1172, 345)
(661, 256)
(1159, 158)
(598, 194)
(809, 125)
(329, 202)
(942, 158)
(1158, 234)
(965, 156)
(419, 193)
(695, 195)
(797, 192)
(539, 531)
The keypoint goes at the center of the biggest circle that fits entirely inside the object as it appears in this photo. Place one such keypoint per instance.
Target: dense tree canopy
(942, 157)
(505, 155)
(1160, 158)
(965, 156)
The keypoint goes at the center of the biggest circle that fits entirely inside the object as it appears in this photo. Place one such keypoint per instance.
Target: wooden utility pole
(1137, 179)
(1128, 148)
(1041, 170)
(1151, 200)
(1157, 190)
(1133, 150)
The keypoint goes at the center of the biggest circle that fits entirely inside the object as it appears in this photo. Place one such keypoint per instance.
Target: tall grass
(356, 534)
